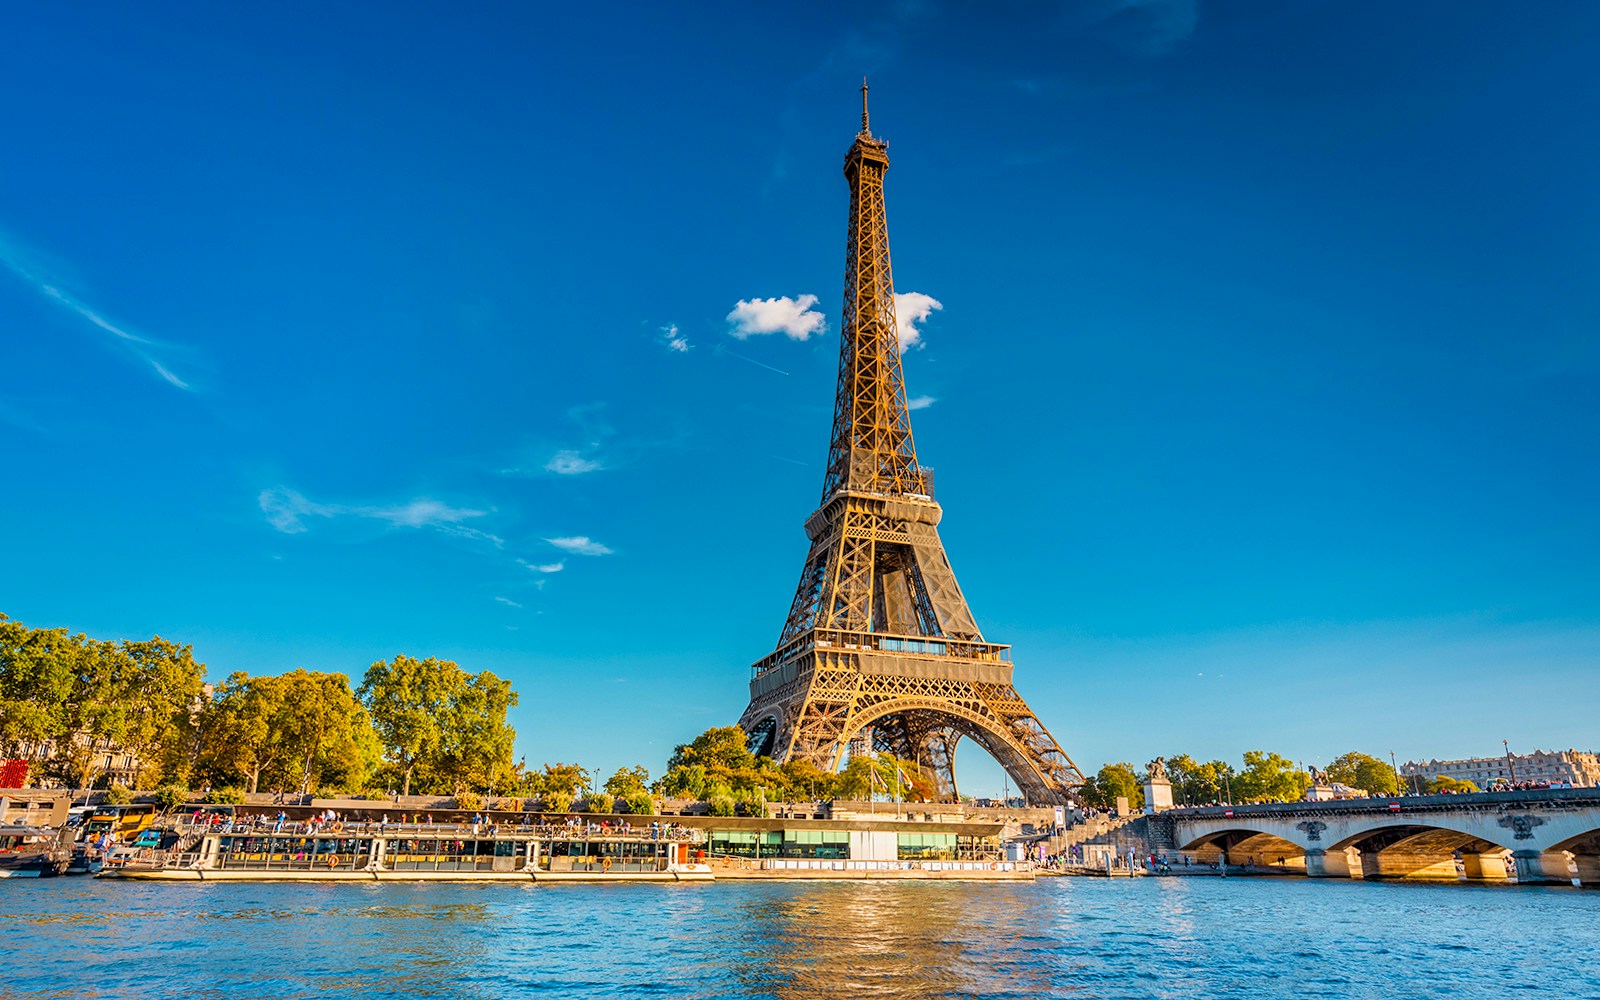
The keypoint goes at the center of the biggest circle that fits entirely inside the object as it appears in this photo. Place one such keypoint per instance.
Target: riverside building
(1575, 767)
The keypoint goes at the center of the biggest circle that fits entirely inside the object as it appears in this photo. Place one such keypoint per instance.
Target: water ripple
(1082, 938)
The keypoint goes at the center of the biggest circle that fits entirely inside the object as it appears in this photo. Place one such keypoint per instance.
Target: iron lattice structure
(879, 641)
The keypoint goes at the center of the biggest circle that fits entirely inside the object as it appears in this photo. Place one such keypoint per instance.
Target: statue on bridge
(1158, 768)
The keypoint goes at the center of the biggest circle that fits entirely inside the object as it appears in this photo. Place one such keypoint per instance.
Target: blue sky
(1261, 387)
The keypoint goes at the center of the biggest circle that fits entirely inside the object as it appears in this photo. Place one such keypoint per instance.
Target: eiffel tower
(879, 645)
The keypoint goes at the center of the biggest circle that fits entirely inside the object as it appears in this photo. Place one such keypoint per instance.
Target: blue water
(1081, 938)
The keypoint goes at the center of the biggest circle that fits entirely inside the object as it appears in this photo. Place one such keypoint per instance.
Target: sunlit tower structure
(879, 641)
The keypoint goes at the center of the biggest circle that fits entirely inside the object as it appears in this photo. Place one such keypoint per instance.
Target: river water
(1058, 937)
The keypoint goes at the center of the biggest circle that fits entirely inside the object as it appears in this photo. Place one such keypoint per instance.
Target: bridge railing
(1554, 797)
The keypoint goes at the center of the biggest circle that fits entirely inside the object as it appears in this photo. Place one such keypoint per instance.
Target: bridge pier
(1588, 869)
(1489, 866)
(1330, 864)
(1542, 868)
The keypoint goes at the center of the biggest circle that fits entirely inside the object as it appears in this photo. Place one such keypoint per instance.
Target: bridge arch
(1585, 851)
(1410, 849)
(1243, 845)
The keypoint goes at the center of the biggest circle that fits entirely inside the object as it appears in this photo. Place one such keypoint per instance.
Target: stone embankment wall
(1140, 834)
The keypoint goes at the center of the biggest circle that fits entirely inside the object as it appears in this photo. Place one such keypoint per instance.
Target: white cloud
(286, 510)
(673, 340)
(920, 402)
(554, 567)
(571, 462)
(418, 513)
(580, 545)
(911, 308)
(21, 263)
(794, 318)
(508, 602)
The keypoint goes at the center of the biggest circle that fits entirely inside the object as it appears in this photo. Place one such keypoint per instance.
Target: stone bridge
(1547, 836)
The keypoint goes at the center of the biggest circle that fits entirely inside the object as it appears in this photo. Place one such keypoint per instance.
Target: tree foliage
(1270, 777)
(1364, 771)
(297, 731)
(628, 781)
(1194, 783)
(1114, 781)
(71, 695)
(439, 723)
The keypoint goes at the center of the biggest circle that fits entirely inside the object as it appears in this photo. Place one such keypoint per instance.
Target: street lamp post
(1398, 785)
(1511, 764)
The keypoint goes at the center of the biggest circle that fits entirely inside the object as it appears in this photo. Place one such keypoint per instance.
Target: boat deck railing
(266, 826)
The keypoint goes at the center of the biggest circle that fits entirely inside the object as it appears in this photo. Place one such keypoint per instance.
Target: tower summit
(879, 640)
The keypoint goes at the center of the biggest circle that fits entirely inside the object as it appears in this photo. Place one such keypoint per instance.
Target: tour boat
(32, 852)
(338, 852)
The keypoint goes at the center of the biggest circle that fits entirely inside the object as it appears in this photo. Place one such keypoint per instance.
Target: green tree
(802, 779)
(684, 781)
(476, 741)
(242, 734)
(302, 730)
(858, 778)
(160, 694)
(1196, 783)
(556, 800)
(408, 699)
(1269, 777)
(719, 749)
(170, 797)
(568, 779)
(440, 724)
(1445, 783)
(78, 694)
(1364, 771)
(628, 782)
(641, 804)
(38, 670)
(1114, 781)
(328, 730)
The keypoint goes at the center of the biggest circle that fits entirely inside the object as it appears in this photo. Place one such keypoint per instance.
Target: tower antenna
(865, 129)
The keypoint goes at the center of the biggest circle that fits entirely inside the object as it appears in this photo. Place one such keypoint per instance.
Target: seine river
(1084, 938)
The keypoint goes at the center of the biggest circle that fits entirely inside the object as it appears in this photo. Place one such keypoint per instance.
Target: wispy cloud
(508, 602)
(25, 265)
(546, 457)
(287, 510)
(673, 340)
(920, 402)
(554, 567)
(911, 308)
(570, 462)
(580, 545)
(794, 318)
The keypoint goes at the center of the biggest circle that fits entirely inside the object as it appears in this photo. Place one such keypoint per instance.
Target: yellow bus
(122, 822)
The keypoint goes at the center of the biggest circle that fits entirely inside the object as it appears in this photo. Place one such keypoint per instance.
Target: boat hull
(692, 873)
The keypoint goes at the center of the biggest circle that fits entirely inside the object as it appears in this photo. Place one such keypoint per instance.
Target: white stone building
(1575, 767)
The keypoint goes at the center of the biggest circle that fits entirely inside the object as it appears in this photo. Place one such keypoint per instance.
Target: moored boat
(32, 852)
(419, 852)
